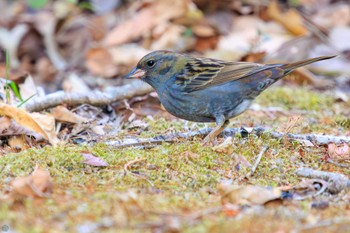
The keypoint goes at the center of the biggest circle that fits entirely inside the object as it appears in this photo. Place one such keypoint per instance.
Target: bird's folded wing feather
(200, 73)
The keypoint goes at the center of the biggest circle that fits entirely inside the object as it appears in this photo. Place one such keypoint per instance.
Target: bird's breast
(186, 105)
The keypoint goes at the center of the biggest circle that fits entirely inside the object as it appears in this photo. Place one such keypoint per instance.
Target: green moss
(295, 98)
(170, 180)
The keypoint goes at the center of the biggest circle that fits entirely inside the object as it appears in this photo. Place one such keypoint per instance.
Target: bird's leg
(221, 124)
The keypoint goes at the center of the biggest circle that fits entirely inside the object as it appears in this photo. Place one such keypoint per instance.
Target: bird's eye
(151, 63)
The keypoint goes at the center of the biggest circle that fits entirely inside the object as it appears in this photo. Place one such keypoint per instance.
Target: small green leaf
(15, 90)
(25, 101)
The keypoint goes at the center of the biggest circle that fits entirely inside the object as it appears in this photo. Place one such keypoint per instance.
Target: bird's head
(157, 67)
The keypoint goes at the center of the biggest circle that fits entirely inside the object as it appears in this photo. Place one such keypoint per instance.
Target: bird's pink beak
(136, 73)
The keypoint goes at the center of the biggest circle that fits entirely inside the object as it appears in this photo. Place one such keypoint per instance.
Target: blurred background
(65, 44)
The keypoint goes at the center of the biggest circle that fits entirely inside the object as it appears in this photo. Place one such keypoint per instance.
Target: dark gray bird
(208, 90)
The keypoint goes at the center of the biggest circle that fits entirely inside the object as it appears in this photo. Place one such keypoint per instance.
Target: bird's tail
(294, 65)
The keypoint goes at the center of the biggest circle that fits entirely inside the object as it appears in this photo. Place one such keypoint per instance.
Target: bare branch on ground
(135, 88)
(337, 182)
(256, 164)
(317, 139)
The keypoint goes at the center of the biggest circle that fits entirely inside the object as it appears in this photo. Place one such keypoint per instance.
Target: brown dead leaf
(91, 159)
(5, 123)
(8, 127)
(290, 20)
(36, 185)
(247, 195)
(27, 88)
(42, 124)
(18, 143)
(143, 21)
(99, 62)
(46, 71)
(97, 27)
(47, 124)
(206, 43)
(12, 74)
(61, 113)
(338, 152)
(203, 30)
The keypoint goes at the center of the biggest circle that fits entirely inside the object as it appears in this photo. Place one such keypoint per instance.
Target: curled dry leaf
(39, 123)
(91, 159)
(99, 61)
(247, 195)
(47, 124)
(61, 113)
(8, 127)
(338, 152)
(290, 20)
(36, 185)
(147, 18)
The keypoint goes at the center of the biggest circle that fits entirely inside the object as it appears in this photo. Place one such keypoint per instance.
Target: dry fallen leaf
(18, 142)
(8, 127)
(61, 113)
(38, 184)
(338, 152)
(47, 124)
(92, 160)
(99, 61)
(291, 19)
(39, 123)
(143, 21)
(247, 195)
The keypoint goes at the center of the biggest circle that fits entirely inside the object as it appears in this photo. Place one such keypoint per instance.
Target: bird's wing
(200, 73)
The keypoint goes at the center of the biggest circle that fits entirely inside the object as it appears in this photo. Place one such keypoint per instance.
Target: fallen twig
(130, 90)
(336, 182)
(310, 184)
(338, 164)
(264, 149)
(243, 132)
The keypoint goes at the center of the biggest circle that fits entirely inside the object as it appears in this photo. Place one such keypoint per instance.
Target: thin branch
(264, 149)
(338, 164)
(337, 182)
(313, 138)
(127, 91)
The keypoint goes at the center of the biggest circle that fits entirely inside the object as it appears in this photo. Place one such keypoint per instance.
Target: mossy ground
(177, 182)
